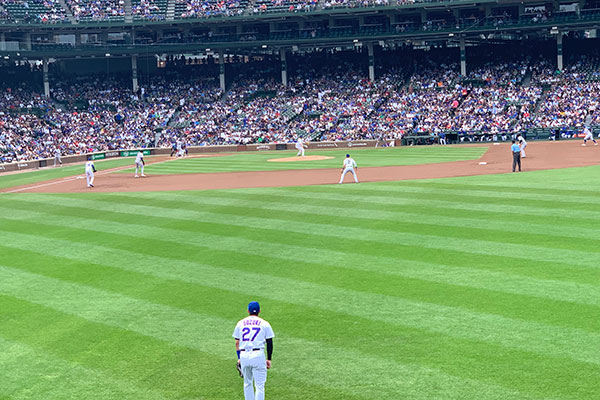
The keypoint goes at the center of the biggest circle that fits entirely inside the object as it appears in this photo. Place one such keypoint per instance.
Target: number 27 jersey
(252, 332)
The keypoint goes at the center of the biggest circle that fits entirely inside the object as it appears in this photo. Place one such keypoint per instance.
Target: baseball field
(470, 287)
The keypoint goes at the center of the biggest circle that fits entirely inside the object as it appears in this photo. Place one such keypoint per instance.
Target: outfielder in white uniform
(522, 145)
(139, 164)
(300, 146)
(90, 168)
(349, 166)
(252, 334)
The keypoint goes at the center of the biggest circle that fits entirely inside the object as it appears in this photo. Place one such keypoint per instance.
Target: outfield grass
(365, 157)
(483, 287)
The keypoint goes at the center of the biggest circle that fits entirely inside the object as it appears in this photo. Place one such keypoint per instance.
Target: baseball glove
(239, 369)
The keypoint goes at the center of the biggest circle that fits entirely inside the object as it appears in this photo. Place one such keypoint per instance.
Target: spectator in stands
(326, 99)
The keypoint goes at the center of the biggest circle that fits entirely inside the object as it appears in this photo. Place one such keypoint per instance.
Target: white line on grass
(72, 178)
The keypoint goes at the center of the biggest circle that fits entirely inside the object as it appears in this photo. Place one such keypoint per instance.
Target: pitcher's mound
(297, 158)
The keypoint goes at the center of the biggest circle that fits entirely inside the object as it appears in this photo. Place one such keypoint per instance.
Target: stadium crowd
(208, 8)
(96, 9)
(327, 98)
(40, 11)
(365, 3)
(53, 11)
(147, 9)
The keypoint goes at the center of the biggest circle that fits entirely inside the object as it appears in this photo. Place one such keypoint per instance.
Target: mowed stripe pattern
(371, 157)
(478, 288)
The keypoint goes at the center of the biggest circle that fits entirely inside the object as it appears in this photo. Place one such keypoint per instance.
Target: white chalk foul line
(72, 178)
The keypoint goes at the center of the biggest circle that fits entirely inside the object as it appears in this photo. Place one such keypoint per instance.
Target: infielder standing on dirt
(251, 335)
(349, 166)
(90, 168)
(522, 145)
(300, 146)
(587, 131)
(588, 136)
(139, 164)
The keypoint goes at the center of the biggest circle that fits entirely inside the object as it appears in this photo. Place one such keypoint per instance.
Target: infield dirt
(497, 159)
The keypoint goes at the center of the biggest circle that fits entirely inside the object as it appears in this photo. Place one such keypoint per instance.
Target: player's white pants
(443, 141)
(89, 178)
(523, 151)
(346, 170)
(300, 151)
(57, 160)
(588, 136)
(254, 368)
(141, 168)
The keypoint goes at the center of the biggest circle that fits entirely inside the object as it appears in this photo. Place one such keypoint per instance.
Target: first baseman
(90, 168)
(349, 166)
(251, 335)
(139, 164)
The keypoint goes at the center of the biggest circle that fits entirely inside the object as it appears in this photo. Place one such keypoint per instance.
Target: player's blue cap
(347, 155)
(254, 307)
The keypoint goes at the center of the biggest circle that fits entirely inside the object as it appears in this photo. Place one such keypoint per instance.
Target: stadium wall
(46, 162)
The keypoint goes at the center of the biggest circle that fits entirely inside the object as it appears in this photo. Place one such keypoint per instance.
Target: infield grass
(365, 157)
(483, 287)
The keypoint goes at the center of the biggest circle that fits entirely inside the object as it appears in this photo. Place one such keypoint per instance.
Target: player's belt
(250, 350)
